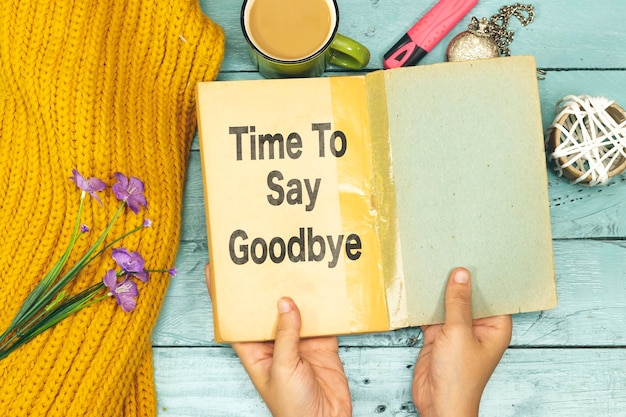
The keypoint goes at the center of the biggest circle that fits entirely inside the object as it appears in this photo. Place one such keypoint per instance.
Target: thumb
(207, 275)
(286, 352)
(459, 298)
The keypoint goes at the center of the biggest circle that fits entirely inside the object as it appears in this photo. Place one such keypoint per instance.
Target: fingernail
(284, 306)
(461, 276)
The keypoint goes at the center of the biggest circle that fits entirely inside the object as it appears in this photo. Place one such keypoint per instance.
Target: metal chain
(497, 26)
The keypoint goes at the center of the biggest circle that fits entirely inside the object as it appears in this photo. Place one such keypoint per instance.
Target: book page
(287, 175)
(471, 184)
(385, 201)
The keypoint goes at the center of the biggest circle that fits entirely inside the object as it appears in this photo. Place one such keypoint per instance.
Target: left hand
(295, 377)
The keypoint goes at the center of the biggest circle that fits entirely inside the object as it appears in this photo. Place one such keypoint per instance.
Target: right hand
(459, 356)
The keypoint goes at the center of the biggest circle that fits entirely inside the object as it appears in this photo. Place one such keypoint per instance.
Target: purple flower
(147, 223)
(124, 292)
(131, 263)
(130, 191)
(173, 272)
(84, 228)
(90, 186)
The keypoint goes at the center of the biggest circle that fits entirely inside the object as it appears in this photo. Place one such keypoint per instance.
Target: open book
(358, 195)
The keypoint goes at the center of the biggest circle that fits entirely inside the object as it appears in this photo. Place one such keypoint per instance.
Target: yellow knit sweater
(100, 86)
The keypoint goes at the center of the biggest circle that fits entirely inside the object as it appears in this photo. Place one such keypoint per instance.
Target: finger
(459, 298)
(256, 358)
(430, 332)
(286, 352)
(207, 276)
(496, 330)
(505, 326)
(252, 353)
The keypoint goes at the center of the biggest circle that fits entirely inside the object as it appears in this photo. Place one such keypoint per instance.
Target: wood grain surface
(570, 361)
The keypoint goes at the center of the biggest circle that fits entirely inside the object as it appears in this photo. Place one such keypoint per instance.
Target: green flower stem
(136, 229)
(87, 257)
(47, 297)
(42, 313)
(50, 317)
(49, 278)
(8, 342)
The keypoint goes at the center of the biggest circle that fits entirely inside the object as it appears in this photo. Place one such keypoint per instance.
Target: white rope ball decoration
(587, 140)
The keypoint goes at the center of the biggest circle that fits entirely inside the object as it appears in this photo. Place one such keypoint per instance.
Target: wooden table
(570, 361)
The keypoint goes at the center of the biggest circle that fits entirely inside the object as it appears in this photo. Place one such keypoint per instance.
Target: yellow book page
(282, 219)
(384, 201)
(359, 210)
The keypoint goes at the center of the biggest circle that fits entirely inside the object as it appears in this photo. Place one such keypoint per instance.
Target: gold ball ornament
(472, 44)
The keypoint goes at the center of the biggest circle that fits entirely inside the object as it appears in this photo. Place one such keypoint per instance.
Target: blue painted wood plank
(209, 382)
(546, 372)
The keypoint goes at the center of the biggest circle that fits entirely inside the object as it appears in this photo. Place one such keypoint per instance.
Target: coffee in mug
(298, 38)
(290, 30)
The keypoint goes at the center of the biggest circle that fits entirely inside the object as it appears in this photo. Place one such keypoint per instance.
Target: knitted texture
(99, 86)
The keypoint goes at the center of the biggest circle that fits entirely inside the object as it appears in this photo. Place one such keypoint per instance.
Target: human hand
(459, 356)
(295, 377)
